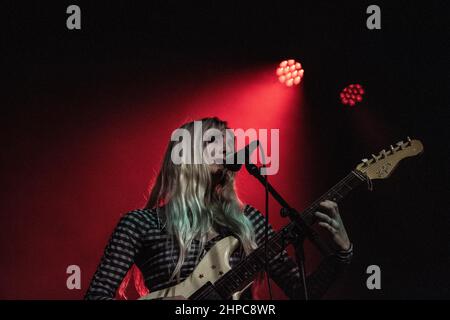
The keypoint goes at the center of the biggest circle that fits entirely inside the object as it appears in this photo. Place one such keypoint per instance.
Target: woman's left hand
(330, 219)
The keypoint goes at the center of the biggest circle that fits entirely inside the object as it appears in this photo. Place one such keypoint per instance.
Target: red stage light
(290, 72)
(352, 94)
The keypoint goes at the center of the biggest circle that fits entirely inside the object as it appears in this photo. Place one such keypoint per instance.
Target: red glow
(290, 72)
(352, 94)
(110, 163)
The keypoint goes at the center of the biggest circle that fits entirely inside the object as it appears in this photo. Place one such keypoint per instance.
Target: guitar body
(214, 264)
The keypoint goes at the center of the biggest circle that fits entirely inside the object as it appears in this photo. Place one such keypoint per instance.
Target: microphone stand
(305, 228)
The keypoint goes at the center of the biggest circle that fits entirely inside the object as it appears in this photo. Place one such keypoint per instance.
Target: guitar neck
(244, 273)
(336, 193)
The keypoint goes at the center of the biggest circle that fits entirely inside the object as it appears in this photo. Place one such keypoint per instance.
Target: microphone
(234, 161)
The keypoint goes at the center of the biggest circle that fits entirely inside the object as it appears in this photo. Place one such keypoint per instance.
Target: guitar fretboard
(239, 277)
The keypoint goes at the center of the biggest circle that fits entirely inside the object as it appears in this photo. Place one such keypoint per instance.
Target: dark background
(82, 110)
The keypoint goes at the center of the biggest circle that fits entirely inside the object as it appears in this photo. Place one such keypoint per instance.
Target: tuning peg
(409, 140)
(365, 162)
(400, 144)
(392, 148)
(374, 157)
(383, 154)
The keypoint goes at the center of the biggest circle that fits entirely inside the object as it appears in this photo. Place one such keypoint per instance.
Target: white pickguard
(213, 266)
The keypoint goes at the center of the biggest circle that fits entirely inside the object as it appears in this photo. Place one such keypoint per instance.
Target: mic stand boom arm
(304, 228)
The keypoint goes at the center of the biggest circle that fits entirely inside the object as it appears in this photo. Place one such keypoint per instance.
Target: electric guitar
(213, 278)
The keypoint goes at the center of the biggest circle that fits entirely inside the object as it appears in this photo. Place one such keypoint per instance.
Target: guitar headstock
(382, 165)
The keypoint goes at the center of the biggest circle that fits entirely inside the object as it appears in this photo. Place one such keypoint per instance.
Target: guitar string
(274, 239)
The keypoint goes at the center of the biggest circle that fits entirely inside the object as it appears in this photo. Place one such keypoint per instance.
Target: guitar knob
(383, 154)
(400, 144)
(365, 162)
(392, 148)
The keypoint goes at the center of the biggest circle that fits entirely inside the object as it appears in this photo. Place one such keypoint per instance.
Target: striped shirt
(140, 238)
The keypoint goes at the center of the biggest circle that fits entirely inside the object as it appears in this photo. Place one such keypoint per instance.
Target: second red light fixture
(352, 94)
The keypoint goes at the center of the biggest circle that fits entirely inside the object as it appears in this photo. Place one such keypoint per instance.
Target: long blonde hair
(194, 204)
(195, 200)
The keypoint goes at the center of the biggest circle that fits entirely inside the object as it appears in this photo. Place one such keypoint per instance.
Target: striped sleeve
(285, 272)
(119, 255)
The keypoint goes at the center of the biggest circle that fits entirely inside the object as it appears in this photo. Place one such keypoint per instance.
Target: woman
(190, 208)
